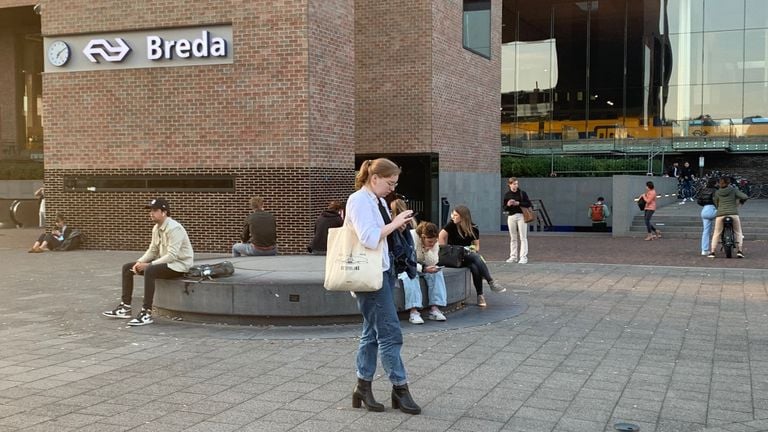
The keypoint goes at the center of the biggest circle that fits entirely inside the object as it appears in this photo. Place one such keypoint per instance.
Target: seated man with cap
(169, 256)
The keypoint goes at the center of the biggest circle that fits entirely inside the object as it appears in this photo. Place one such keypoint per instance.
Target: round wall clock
(58, 53)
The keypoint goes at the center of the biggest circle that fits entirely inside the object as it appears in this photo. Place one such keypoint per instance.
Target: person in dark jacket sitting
(259, 236)
(329, 218)
(54, 239)
(727, 201)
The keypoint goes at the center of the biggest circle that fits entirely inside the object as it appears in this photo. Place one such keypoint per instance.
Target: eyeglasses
(391, 184)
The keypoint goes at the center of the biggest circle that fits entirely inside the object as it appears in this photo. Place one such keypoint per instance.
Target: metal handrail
(542, 216)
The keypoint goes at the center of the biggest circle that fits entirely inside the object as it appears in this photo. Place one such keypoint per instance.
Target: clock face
(58, 53)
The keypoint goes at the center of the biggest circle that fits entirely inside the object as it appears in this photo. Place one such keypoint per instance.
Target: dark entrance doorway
(418, 183)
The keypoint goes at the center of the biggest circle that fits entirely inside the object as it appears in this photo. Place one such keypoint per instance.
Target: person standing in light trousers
(518, 228)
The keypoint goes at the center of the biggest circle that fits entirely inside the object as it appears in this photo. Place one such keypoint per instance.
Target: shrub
(573, 166)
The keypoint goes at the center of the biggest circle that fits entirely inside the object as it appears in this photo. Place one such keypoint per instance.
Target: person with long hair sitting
(460, 231)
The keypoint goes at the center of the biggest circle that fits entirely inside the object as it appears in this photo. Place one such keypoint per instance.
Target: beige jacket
(170, 245)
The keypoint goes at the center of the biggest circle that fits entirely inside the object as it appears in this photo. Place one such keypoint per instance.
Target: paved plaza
(669, 346)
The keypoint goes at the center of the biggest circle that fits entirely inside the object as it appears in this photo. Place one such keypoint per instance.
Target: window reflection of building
(21, 47)
(649, 68)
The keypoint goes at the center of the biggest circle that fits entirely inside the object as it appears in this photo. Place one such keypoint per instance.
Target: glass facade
(634, 70)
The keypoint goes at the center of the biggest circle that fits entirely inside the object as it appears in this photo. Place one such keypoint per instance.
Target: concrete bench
(279, 290)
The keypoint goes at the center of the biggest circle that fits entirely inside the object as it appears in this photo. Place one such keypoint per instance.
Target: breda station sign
(139, 49)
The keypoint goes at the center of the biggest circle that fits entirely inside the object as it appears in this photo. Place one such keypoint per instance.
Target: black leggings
(474, 262)
(648, 225)
(152, 272)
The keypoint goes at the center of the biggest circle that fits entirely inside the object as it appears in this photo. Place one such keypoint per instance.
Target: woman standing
(518, 228)
(368, 215)
(460, 231)
(708, 213)
(650, 207)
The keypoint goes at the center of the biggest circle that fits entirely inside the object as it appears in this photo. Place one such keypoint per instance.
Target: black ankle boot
(401, 398)
(364, 394)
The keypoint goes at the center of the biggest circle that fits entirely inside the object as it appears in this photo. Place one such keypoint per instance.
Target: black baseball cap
(158, 204)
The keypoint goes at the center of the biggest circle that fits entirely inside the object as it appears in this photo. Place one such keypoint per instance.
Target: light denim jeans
(247, 249)
(381, 333)
(708, 214)
(435, 290)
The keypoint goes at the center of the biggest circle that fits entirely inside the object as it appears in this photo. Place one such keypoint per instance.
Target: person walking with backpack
(598, 213)
(708, 213)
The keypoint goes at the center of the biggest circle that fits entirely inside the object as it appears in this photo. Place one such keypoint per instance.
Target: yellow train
(633, 127)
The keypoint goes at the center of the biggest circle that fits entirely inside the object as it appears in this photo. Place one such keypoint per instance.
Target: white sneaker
(682, 202)
(511, 260)
(436, 315)
(704, 253)
(143, 318)
(523, 260)
(415, 318)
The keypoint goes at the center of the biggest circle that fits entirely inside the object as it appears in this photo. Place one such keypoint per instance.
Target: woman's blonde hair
(398, 206)
(382, 167)
(465, 225)
(427, 230)
(511, 180)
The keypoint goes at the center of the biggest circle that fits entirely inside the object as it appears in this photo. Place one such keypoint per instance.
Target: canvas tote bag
(350, 266)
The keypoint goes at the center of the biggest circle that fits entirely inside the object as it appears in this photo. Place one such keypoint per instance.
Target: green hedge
(573, 166)
(21, 170)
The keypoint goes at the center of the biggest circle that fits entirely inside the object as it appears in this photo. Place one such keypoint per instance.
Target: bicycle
(727, 237)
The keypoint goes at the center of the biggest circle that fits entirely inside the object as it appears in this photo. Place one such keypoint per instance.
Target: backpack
(210, 271)
(74, 241)
(705, 197)
(597, 213)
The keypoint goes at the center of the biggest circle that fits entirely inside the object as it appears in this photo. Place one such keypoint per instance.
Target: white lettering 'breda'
(202, 47)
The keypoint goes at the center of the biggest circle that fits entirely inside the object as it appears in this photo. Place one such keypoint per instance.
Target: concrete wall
(567, 199)
(19, 189)
(463, 187)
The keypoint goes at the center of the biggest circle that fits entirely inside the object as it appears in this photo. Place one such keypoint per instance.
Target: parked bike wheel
(728, 242)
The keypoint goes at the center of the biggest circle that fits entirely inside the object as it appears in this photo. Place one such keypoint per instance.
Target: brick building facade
(312, 83)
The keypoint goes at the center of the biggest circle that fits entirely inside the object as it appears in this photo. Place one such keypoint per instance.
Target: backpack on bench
(210, 271)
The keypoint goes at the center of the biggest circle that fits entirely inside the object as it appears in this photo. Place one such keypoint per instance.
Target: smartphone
(439, 267)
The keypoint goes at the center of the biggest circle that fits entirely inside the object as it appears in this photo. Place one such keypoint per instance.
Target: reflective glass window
(477, 27)
(686, 58)
(606, 59)
(723, 15)
(723, 57)
(683, 102)
(722, 101)
(570, 25)
(755, 95)
(685, 16)
(756, 13)
(756, 55)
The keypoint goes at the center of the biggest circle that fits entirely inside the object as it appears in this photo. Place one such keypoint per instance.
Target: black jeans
(53, 242)
(648, 225)
(479, 270)
(152, 272)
